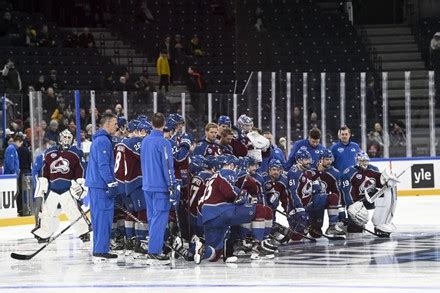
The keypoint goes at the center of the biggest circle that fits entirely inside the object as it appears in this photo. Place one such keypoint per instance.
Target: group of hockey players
(233, 187)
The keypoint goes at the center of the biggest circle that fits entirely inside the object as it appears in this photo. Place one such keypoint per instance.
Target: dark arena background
(290, 65)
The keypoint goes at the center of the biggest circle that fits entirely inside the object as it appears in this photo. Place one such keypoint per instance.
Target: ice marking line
(238, 285)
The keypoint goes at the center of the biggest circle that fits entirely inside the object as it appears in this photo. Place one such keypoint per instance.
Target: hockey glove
(76, 190)
(298, 220)
(242, 197)
(186, 140)
(358, 213)
(112, 189)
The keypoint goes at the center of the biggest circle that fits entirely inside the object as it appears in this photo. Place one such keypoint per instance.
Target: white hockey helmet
(65, 139)
(245, 123)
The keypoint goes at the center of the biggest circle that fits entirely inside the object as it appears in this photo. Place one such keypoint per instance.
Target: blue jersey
(304, 145)
(273, 152)
(355, 180)
(345, 154)
(61, 166)
(206, 148)
(181, 150)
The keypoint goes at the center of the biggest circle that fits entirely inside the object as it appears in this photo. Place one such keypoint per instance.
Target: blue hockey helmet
(122, 122)
(143, 118)
(230, 159)
(224, 120)
(302, 155)
(211, 162)
(132, 125)
(171, 124)
(326, 154)
(197, 164)
(177, 117)
(275, 163)
(144, 125)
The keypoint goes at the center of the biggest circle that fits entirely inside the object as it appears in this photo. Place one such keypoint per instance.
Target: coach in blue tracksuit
(156, 172)
(310, 144)
(344, 151)
(102, 185)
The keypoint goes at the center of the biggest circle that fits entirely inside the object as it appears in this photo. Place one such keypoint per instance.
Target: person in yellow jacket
(163, 69)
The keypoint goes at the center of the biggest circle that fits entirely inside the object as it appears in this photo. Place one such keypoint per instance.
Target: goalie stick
(133, 217)
(51, 239)
(322, 234)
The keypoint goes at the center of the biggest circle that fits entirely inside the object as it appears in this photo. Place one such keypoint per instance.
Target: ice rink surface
(408, 262)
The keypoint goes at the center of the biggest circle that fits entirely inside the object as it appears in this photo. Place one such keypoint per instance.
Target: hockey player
(345, 150)
(62, 184)
(208, 146)
(223, 205)
(225, 141)
(311, 144)
(238, 149)
(364, 188)
(275, 187)
(329, 193)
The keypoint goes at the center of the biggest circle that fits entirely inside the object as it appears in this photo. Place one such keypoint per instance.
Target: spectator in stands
(119, 111)
(11, 78)
(398, 134)
(82, 118)
(259, 20)
(72, 39)
(44, 39)
(50, 103)
(376, 135)
(71, 125)
(7, 26)
(195, 47)
(144, 14)
(30, 37)
(144, 84)
(41, 84)
(374, 101)
(86, 39)
(53, 131)
(314, 122)
(163, 70)
(196, 86)
(179, 59)
(108, 82)
(53, 80)
(374, 150)
(434, 50)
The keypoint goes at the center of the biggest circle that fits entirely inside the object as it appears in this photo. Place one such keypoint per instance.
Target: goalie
(365, 188)
(62, 184)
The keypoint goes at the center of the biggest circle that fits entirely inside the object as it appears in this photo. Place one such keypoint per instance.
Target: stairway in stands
(123, 54)
(396, 46)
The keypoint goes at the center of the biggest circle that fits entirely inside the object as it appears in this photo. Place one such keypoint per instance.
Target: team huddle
(224, 194)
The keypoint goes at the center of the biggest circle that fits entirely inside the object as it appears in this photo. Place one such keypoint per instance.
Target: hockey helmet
(197, 164)
(326, 154)
(144, 125)
(275, 163)
(177, 117)
(65, 139)
(170, 125)
(245, 123)
(132, 125)
(224, 120)
(362, 159)
(122, 122)
(302, 155)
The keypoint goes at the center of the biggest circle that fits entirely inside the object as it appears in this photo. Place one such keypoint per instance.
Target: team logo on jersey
(353, 150)
(340, 150)
(304, 148)
(368, 183)
(60, 165)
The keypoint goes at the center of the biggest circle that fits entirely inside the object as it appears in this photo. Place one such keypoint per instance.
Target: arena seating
(424, 31)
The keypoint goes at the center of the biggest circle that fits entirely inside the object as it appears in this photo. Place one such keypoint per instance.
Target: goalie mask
(245, 123)
(362, 160)
(65, 139)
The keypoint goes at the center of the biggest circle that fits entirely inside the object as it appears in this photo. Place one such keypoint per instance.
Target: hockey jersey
(196, 191)
(206, 148)
(61, 166)
(276, 191)
(355, 180)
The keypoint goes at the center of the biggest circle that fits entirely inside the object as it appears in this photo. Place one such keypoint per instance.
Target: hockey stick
(51, 239)
(300, 234)
(133, 217)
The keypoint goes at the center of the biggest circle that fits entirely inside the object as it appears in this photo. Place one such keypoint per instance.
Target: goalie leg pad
(384, 211)
(49, 220)
(41, 187)
(71, 208)
(358, 213)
